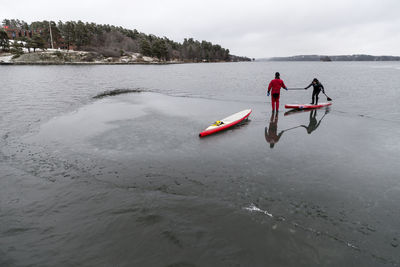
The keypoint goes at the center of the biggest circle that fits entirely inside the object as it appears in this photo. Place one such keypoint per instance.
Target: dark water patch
(17, 230)
(384, 260)
(341, 238)
(118, 92)
(182, 264)
(5, 136)
(395, 242)
(5, 260)
(49, 163)
(150, 219)
(124, 211)
(172, 238)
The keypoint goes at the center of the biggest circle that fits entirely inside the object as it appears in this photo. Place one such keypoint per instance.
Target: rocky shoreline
(60, 57)
(63, 57)
(89, 63)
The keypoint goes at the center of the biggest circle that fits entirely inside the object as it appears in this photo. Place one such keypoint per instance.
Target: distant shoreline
(325, 58)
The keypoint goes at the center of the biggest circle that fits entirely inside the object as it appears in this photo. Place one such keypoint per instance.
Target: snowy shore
(61, 57)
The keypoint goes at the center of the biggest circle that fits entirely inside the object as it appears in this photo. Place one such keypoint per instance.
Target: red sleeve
(283, 85)
(269, 86)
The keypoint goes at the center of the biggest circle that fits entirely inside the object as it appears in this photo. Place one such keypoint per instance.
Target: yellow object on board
(218, 123)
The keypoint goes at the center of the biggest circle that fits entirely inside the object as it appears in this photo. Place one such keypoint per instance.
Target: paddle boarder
(317, 85)
(275, 86)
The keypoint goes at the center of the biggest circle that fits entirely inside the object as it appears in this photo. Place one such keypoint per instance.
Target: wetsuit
(317, 89)
(275, 86)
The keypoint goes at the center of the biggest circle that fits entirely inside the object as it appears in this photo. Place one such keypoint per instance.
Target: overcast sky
(253, 28)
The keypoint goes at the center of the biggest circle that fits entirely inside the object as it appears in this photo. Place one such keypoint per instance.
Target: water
(125, 180)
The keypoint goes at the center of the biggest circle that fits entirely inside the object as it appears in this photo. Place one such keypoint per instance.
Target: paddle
(327, 97)
(291, 128)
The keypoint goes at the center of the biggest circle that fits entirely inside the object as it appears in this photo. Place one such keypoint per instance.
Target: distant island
(71, 42)
(332, 58)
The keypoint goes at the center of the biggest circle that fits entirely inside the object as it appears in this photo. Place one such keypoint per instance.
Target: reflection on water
(271, 132)
(314, 123)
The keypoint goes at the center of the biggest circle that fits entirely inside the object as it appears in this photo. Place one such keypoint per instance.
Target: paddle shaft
(327, 97)
(291, 128)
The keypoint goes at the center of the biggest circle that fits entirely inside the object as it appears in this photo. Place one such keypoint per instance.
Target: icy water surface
(125, 180)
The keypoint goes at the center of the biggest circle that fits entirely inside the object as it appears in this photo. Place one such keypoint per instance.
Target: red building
(15, 33)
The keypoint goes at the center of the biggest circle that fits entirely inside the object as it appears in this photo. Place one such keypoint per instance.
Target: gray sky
(253, 28)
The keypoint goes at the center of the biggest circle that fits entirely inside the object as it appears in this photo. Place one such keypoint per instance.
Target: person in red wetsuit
(275, 86)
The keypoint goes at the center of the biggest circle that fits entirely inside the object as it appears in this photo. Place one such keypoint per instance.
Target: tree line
(114, 41)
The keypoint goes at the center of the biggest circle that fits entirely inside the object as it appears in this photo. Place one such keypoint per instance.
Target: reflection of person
(275, 86)
(317, 89)
(271, 135)
(313, 125)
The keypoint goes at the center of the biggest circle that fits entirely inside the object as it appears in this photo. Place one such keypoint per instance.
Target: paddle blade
(327, 97)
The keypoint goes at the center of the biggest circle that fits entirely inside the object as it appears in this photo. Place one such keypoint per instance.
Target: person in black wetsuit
(317, 89)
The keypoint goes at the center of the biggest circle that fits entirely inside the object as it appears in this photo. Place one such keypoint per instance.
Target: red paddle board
(305, 106)
(226, 123)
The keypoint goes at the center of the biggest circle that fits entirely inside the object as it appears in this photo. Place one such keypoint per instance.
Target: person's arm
(284, 86)
(322, 87)
(308, 86)
(269, 87)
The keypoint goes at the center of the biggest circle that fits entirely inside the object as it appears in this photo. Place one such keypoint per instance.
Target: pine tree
(16, 49)
(146, 48)
(4, 41)
(160, 50)
(38, 42)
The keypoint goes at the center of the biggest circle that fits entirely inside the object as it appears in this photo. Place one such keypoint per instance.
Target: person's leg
(316, 96)
(275, 98)
(313, 96)
(273, 102)
(277, 103)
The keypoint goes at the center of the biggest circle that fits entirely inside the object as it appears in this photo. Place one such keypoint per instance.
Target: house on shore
(18, 33)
